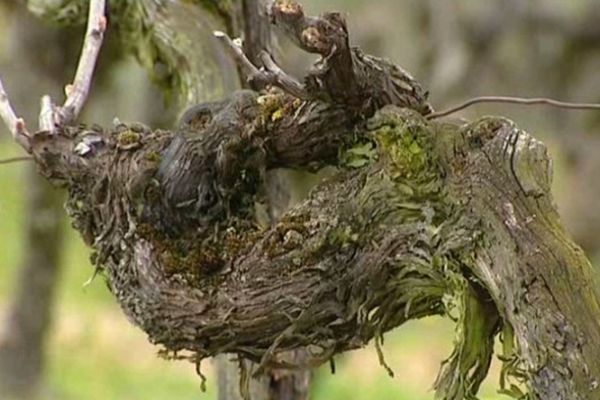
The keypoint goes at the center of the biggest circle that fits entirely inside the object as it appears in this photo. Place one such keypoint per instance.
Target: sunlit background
(456, 48)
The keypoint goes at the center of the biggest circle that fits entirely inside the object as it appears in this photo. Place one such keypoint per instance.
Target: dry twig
(270, 74)
(14, 160)
(52, 116)
(515, 100)
(15, 124)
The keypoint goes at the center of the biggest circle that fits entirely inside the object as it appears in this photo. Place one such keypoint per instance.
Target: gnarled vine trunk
(422, 218)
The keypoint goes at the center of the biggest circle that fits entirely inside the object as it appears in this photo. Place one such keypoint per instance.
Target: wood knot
(315, 41)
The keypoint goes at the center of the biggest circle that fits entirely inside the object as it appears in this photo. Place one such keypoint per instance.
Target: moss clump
(128, 139)
(275, 105)
(359, 155)
(286, 234)
(197, 255)
(342, 237)
(403, 140)
(407, 146)
(153, 157)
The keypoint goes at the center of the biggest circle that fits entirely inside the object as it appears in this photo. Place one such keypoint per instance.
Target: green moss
(406, 144)
(408, 148)
(275, 105)
(342, 237)
(198, 255)
(477, 320)
(359, 155)
(128, 137)
(153, 157)
(513, 372)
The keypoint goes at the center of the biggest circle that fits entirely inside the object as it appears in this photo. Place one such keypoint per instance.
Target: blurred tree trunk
(22, 354)
(29, 316)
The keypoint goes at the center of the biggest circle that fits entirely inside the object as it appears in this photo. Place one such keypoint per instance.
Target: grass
(94, 353)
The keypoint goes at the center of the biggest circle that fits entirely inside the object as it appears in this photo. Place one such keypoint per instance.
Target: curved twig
(235, 48)
(14, 160)
(269, 75)
(514, 100)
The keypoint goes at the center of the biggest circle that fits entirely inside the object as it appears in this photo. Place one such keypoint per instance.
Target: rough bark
(277, 384)
(423, 218)
(466, 54)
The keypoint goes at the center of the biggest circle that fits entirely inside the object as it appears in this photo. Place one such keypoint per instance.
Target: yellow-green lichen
(275, 105)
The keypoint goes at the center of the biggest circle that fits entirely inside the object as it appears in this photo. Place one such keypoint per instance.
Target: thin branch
(15, 124)
(278, 77)
(47, 118)
(14, 160)
(78, 91)
(51, 116)
(514, 100)
(235, 48)
(270, 74)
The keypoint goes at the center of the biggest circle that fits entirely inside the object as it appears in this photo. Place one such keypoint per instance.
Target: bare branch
(271, 74)
(47, 118)
(238, 54)
(14, 160)
(51, 116)
(515, 100)
(15, 124)
(78, 91)
(278, 77)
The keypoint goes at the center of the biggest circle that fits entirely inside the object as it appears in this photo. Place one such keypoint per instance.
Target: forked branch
(270, 74)
(52, 117)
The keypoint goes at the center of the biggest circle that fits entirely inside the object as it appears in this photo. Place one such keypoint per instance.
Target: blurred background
(69, 338)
